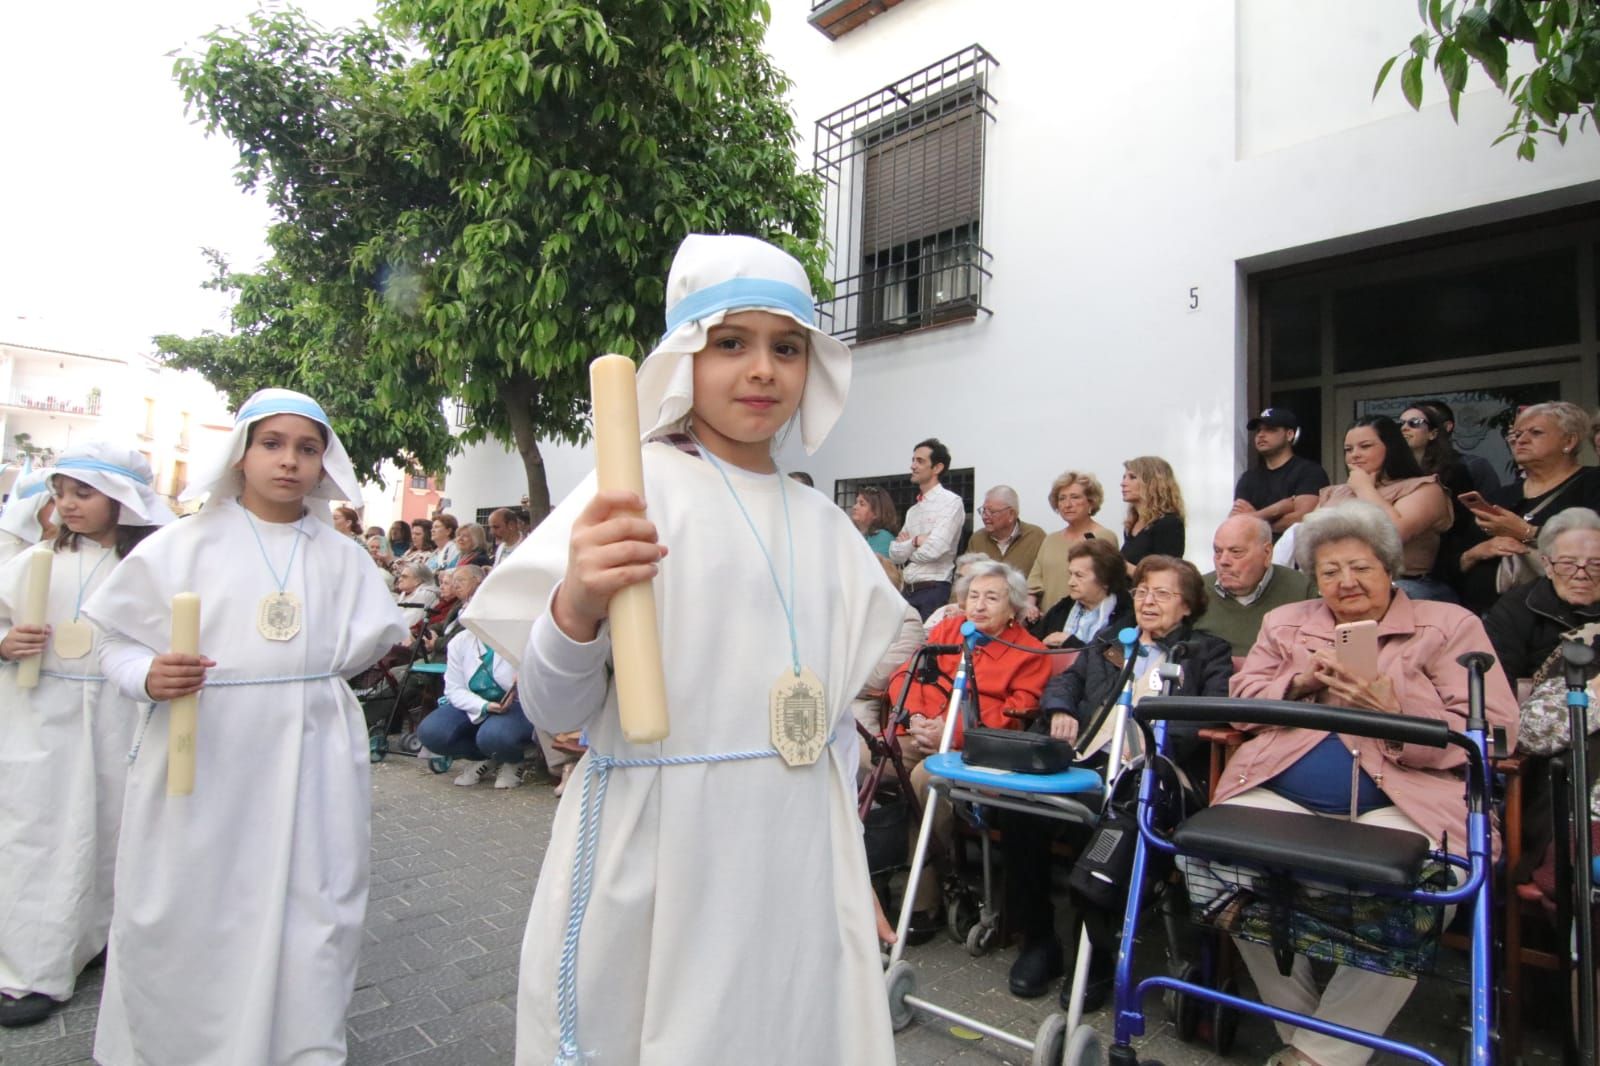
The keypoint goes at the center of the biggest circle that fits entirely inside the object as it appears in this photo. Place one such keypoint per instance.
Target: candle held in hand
(635, 639)
(184, 712)
(35, 598)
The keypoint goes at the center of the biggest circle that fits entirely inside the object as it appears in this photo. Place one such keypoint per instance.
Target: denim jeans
(448, 731)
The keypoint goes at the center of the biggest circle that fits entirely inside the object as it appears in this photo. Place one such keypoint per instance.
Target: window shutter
(923, 181)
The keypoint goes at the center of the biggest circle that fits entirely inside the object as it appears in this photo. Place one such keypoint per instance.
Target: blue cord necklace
(279, 613)
(797, 705)
(75, 639)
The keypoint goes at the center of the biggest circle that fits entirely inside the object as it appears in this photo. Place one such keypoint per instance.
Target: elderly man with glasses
(1005, 537)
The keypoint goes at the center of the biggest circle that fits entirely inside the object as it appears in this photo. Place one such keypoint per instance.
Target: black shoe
(925, 925)
(30, 1009)
(1037, 965)
(1101, 977)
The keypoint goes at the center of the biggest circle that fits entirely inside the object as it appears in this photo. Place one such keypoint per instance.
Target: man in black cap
(1283, 488)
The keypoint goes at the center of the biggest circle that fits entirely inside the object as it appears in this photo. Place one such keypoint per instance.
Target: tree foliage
(477, 197)
(1565, 39)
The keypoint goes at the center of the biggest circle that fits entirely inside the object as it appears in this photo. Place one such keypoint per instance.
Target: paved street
(452, 875)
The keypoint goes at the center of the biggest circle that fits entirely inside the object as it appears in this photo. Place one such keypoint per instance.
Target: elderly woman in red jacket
(1006, 680)
(1354, 553)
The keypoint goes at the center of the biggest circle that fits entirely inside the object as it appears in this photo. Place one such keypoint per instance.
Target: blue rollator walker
(1585, 868)
(1072, 795)
(1306, 884)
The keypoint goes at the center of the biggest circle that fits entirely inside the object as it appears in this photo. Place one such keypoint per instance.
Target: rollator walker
(1073, 795)
(1312, 885)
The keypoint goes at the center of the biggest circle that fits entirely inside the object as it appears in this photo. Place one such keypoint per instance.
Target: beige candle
(184, 711)
(35, 599)
(635, 640)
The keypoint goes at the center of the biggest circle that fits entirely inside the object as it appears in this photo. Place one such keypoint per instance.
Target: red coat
(1007, 679)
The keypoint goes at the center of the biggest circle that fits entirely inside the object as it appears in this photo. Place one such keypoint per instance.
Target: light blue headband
(83, 464)
(741, 293)
(284, 405)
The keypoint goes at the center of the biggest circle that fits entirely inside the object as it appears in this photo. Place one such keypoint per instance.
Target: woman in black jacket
(1168, 597)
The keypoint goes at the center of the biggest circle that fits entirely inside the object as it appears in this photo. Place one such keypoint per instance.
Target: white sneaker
(471, 773)
(509, 776)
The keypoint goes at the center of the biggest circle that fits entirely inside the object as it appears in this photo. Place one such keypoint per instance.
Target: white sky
(108, 192)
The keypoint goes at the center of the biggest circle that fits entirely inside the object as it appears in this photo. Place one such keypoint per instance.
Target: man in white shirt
(506, 531)
(926, 546)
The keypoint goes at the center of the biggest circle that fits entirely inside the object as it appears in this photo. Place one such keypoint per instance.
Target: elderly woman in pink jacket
(1354, 552)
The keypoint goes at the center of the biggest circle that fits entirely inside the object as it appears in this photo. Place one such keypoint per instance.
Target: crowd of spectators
(1443, 553)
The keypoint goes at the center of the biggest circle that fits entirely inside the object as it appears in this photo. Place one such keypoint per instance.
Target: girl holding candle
(729, 916)
(64, 742)
(240, 907)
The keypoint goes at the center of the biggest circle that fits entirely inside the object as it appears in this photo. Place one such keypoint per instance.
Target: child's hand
(24, 642)
(613, 546)
(172, 675)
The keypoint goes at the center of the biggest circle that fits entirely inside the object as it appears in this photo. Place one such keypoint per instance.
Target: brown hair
(1093, 491)
(1190, 585)
(1110, 568)
(351, 515)
(885, 515)
(128, 537)
(422, 534)
(1161, 494)
(448, 521)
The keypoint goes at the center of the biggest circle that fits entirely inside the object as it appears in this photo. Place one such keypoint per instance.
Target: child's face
(84, 509)
(284, 460)
(748, 380)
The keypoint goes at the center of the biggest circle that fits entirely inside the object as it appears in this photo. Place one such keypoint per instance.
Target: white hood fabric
(121, 473)
(712, 276)
(220, 479)
(20, 517)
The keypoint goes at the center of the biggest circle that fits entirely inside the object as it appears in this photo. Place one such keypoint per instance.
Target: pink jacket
(1418, 642)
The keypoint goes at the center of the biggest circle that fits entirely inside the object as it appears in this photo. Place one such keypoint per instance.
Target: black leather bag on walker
(1015, 750)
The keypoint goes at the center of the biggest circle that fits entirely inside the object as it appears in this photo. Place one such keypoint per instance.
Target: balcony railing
(71, 405)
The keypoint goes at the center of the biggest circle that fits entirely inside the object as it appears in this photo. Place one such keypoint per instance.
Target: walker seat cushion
(1327, 847)
(1068, 782)
(428, 668)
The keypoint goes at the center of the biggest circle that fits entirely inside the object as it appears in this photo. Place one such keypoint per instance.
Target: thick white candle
(635, 640)
(35, 598)
(184, 711)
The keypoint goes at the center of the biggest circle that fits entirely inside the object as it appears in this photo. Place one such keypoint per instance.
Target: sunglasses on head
(1416, 423)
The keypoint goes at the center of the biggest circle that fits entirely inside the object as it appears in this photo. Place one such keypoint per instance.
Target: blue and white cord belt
(595, 779)
(231, 682)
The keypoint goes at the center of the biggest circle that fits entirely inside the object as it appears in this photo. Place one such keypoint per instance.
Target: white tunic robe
(731, 918)
(63, 761)
(240, 907)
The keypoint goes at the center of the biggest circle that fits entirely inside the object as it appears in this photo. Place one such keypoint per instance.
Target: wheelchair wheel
(900, 981)
(377, 748)
(410, 743)
(1224, 1020)
(961, 915)
(1050, 1042)
(1084, 1048)
(440, 764)
(1184, 1011)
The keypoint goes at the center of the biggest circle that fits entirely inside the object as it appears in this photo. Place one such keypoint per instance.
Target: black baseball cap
(1276, 417)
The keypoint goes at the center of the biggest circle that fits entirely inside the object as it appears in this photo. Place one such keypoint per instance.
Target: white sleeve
(456, 691)
(940, 541)
(900, 550)
(126, 663)
(564, 683)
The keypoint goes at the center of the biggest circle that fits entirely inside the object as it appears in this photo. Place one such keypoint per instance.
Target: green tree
(1564, 81)
(477, 197)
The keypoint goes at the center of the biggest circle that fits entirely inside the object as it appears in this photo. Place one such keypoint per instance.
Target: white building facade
(1065, 235)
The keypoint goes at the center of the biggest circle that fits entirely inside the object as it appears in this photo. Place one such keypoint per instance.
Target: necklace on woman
(797, 706)
(278, 615)
(75, 639)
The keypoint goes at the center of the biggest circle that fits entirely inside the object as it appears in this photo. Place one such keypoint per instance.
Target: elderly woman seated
(1168, 597)
(1527, 627)
(1354, 553)
(416, 590)
(1008, 680)
(1097, 597)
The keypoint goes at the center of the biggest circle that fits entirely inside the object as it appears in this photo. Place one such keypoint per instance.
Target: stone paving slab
(452, 877)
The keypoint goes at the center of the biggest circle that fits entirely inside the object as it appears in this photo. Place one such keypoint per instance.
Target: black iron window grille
(903, 174)
(463, 415)
(962, 481)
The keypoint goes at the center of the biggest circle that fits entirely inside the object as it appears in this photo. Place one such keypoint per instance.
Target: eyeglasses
(1570, 567)
(992, 512)
(1532, 434)
(1416, 423)
(1161, 597)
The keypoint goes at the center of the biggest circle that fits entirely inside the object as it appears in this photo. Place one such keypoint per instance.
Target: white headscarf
(121, 473)
(20, 517)
(712, 276)
(221, 478)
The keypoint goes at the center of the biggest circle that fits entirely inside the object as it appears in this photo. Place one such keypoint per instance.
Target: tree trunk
(519, 391)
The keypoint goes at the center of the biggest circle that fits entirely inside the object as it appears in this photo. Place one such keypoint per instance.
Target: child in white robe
(26, 518)
(241, 906)
(64, 744)
(729, 916)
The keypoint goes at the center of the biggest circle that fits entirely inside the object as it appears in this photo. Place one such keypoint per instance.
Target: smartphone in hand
(1474, 501)
(1355, 645)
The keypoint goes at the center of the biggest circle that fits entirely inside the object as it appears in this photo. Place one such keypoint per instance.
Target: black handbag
(1010, 749)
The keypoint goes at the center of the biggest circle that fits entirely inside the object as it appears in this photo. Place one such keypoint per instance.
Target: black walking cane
(1577, 658)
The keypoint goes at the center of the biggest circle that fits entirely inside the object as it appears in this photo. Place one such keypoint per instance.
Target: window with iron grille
(900, 489)
(463, 415)
(903, 172)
